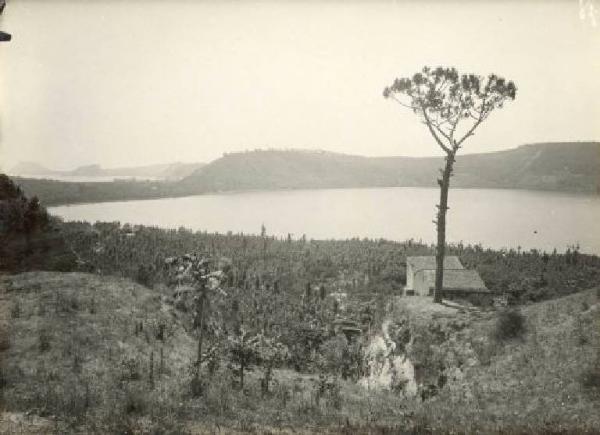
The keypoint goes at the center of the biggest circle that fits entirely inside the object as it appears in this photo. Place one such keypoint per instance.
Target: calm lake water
(494, 218)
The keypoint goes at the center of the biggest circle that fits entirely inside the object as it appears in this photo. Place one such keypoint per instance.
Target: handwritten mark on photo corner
(589, 11)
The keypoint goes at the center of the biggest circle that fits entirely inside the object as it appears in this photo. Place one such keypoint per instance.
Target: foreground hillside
(493, 376)
(86, 352)
(84, 347)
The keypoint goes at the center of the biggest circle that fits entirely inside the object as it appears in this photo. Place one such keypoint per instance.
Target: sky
(126, 83)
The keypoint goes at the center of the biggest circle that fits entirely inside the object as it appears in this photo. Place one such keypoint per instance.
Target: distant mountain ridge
(30, 168)
(566, 166)
(170, 171)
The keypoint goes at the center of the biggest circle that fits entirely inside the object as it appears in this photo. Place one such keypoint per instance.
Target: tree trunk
(242, 374)
(444, 183)
(201, 334)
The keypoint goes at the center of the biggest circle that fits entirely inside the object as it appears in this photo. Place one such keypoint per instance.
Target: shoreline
(579, 193)
(281, 237)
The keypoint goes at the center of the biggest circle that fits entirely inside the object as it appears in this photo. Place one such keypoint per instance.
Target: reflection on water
(495, 218)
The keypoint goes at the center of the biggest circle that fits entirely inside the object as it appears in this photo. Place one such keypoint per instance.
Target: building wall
(423, 282)
(478, 298)
(409, 277)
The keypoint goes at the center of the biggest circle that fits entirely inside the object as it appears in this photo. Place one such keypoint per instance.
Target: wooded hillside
(568, 167)
(548, 166)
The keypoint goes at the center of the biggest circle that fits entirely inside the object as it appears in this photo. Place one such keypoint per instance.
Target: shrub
(4, 340)
(130, 369)
(580, 332)
(509, 325)
(135, 401)
(335, 354)
(44, 340)
(3, 379)
(168, 426)
(75, 400)
(197, 386)
(590, 381)
(62, 262)
(74, 303)
(160, 331)
(15, 311)
(144, 276)
(218, 393)
(77, 361)
(485, 351)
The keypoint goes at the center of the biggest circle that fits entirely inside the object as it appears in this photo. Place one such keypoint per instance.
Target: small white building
(458, 281)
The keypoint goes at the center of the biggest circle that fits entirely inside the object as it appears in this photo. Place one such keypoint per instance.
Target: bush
(135, 401)
(130, 369)
(485, 351)
(15, 311)
(3, 379)
(590, 381)
(509, 325)
(580, 329)
(62, 262)
(4, 340)
(197, 386)
(44, 340)
(144, 276)
(218, 393)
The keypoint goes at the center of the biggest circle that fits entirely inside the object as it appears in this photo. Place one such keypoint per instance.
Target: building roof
(465, 279)
(428, 262)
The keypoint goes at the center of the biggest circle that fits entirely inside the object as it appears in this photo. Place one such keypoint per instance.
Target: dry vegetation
(76, 359)
(543, 379)
(77, 353)
(97, 352)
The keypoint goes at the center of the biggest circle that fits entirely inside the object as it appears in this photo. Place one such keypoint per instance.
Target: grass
(78, 356)
(531, 385)
(93, 372)
(75, 354)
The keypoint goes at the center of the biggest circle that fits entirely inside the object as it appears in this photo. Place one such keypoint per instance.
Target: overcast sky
(139, 82)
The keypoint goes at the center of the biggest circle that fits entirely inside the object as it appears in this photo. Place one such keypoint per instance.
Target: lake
(493, 217)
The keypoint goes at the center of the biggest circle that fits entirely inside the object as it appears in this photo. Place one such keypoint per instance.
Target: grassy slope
(88, 324)
(71, 338)
(79, 378)
(526, 385)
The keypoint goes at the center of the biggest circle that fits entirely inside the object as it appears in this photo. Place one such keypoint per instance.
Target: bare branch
(442, 87)
(473, 116)
(454, 125)
(483, 113)
(432, 131)
(439, 129)
(400, 102)
(469, 133)
(441, 122)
